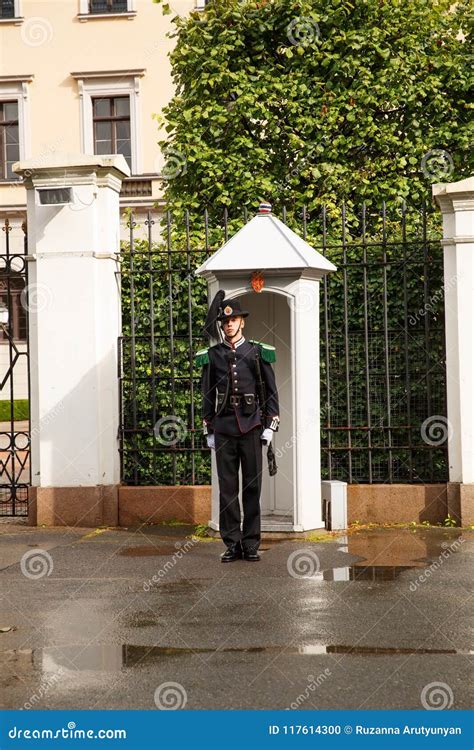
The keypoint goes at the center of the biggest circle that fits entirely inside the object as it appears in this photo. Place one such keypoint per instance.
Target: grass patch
(201, 534)
(201, 530)
(320, 536)
(94, 533)
(170, 522)
(20, 410)
(205, 538)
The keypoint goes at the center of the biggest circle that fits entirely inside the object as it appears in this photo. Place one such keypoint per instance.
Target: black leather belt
(235, 400)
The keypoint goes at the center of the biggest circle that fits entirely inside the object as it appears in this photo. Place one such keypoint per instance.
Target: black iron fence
(383, 373)
(15, 469)
(383, 389)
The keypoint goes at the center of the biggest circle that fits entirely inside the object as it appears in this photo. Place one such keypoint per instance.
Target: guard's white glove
(267, 435)
(211, 441)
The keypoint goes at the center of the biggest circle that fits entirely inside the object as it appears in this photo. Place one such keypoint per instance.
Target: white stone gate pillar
(456, 201)
(74, 321)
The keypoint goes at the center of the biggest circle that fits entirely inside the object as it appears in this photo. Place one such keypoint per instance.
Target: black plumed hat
(210, 326)
(221, 309)
(230, 308)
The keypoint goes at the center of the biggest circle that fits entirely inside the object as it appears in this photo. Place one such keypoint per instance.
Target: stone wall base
(461, 502)
(396, 503)
(73, 506)
(187, 503)
(128, 506)
(367, 503)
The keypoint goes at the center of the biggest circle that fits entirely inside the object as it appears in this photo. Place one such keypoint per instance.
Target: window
(111, 113)
(111, 118)
(108, 6)
(9, 139)
(89, 9)
(7, 9)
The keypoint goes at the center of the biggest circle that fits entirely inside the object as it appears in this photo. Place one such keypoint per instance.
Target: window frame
(3, 164)
(16, 89)
(16, 13)
(112, 118)
(85, 13)
(105, 85)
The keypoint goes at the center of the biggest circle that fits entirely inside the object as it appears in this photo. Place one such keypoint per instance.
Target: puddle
(114, 657)
(361, 573)
(389, 552)
(395, 650)
(384, 554)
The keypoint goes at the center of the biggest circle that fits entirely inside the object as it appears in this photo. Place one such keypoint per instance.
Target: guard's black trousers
(231, 452)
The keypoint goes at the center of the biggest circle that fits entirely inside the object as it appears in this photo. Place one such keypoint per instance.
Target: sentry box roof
(266, 243)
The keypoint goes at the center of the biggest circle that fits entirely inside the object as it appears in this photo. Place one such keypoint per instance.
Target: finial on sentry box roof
(264, 208)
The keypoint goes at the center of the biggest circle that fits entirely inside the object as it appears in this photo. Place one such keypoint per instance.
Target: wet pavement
(150, 617)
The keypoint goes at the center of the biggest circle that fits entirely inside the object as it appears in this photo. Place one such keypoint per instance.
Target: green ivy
(304, 102)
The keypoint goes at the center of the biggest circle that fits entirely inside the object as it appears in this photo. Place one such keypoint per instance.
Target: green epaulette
(201, 357)
(268, 351)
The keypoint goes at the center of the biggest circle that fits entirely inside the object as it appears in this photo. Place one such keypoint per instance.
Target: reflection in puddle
(361, 573)
(389, 552)
(113, 657)
(395, 650)
(384, 650)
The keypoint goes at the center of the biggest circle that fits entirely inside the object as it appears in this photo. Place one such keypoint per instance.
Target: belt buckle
(234, 400)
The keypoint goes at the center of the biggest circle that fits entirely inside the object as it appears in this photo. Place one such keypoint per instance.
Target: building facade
(79, 76)
(84, 76)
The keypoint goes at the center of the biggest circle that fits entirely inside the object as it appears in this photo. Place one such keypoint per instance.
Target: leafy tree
(305, 102)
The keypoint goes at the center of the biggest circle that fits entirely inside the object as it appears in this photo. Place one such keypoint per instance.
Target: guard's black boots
(251, 555)
(234, 552)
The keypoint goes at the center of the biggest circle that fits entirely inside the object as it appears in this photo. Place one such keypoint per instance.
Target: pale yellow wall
(71, 45)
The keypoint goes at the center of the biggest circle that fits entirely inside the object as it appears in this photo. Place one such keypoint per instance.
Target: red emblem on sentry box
(257, 281)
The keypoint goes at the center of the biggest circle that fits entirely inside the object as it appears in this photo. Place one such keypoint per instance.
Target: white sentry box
(334, 502)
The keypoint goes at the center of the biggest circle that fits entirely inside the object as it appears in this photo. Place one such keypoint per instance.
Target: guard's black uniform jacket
(230, 373)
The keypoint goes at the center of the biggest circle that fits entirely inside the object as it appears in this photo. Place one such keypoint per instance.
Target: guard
(240, 414)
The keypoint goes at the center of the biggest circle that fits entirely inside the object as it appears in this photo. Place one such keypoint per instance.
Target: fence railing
(15, 467)
(383, 374)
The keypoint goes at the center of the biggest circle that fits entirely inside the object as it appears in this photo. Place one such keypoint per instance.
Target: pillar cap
(462, 192)
(64, 161)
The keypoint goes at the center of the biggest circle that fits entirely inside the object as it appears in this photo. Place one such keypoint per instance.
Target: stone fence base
(367, 503)
(129, 506)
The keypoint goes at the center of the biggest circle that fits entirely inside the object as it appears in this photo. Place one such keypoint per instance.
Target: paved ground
(107, 619)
